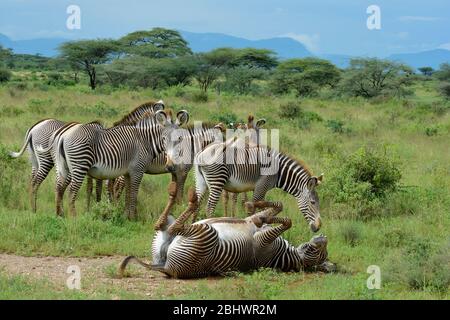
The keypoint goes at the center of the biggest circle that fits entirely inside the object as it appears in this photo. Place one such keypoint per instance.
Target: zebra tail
(148, 266)
(27, 141)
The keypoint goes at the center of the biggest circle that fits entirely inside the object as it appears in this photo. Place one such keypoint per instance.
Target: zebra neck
(288, 257)
(292, 177)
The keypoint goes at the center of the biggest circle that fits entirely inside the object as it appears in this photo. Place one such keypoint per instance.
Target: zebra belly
(235, 185)
(100, 172)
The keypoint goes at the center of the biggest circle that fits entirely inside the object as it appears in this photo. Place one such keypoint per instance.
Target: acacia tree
(304, 76)
(210, 65)
(371, 77)
(87, 54)
(426, 71)
(155, 43)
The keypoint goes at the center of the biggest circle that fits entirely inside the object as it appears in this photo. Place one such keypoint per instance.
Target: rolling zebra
(219, 245)
(111, 153)
(224, 166)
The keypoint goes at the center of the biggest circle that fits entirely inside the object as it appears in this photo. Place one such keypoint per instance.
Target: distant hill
(431, 58)
(45, 47)
(201, 42)
(284, 47)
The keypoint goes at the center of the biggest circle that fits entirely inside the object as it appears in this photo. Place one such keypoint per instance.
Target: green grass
(418, 213)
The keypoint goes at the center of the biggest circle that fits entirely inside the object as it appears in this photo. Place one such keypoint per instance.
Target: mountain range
(199, 42)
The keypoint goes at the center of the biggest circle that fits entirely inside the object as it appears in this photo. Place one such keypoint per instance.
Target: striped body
(260, 169)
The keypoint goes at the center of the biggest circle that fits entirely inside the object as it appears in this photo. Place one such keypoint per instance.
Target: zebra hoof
(250, 208)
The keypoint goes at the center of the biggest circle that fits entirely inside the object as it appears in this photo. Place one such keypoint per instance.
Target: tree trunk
(92, 79)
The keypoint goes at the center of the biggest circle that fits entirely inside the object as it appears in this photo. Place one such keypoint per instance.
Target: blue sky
(324, 26)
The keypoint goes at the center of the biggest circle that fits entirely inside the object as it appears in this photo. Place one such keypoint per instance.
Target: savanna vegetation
(378, 130)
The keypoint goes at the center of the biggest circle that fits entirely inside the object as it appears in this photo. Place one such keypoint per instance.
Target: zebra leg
(200, 189)
(234, 199)
(110, 189)
(61, 186)
(225, 198)
(89, 188)
(98, 190)
(132, 193)
(252, 206)
(119, 185)
(75, 184)
(178, 226)
(267, 236)
(162, 221)
(215, 190)
(36, 181)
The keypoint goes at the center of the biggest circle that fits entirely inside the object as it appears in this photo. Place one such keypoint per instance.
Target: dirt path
(95, 272)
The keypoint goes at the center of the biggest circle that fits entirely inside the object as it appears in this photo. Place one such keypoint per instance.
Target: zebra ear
(320, 179)
(312, 183)
(159, 106)
(182, 117)
(221, 127)
(161, 117)
(260, 123)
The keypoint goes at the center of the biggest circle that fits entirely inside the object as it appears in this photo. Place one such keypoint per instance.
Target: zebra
(251, 137)
(223, 166)
(183, 144)
(110, 153)
(216, 246)
(37, 135)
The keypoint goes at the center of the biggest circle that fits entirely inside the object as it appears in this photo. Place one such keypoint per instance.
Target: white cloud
(445, 46)
(417, 18)
(311, 42)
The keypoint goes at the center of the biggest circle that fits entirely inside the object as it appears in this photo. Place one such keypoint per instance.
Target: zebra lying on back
(216, 246)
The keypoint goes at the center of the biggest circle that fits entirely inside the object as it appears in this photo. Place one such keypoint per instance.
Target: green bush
(337, 126)
(351, 233)
(226, 118)
(421, 266)
(199, 96)
(290, 110)
(5, 75)
(444, 88)
(363, 180)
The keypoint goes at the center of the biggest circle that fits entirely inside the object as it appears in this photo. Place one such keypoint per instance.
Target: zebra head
(314, 252)
(308, 202)
(172, 134)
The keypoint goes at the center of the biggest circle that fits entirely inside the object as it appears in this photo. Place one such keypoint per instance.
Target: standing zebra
(248, 134)
(40, 134)
(220, 245)
(223, 166)
(110, 153)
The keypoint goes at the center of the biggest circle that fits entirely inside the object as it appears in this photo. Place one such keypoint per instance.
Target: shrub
(336, 126)
(227, 118)
(431, 131)
(351, 233)
(445, 89)
(5, 75)
(421, 266)
(199, 96)
(362, 180)
(290, 110)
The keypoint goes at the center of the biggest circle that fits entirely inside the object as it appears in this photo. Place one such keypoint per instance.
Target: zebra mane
(99, 122)
(133, 116)
(298, 161)
(205, 125)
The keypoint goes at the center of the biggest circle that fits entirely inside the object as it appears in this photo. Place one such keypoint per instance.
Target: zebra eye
(313, 201)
